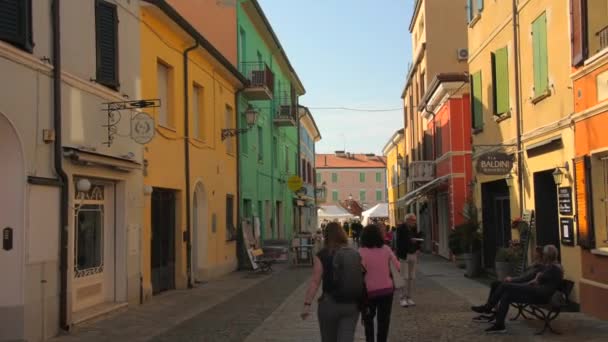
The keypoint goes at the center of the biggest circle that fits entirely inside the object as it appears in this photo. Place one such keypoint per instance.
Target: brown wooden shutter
(16, 23)
(584, 202)
(106, 24)
(578, 31)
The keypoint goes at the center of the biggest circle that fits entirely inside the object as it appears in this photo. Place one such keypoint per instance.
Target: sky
(348, 53)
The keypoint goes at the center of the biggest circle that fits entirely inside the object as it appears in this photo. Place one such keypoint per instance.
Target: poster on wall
(567, 229)
(564, 200)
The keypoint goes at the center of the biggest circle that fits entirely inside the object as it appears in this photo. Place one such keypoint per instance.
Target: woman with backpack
(336, 267)
(376, 258)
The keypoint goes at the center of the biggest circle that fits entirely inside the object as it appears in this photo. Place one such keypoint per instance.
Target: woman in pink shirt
(376, 258)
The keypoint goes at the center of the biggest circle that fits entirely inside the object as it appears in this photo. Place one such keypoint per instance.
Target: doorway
(496, 208)
(546, 210)
(267, 220)
(163, 240)
(200, 233)
(443, 223)
(279, 223)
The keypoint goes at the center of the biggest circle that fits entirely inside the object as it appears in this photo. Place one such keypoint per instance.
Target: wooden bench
(549, 311)
(265, 263)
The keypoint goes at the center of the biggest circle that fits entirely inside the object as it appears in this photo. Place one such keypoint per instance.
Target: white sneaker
(410, 302)
(404, 302)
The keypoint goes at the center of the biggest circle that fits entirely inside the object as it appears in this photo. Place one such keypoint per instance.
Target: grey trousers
(337, 320)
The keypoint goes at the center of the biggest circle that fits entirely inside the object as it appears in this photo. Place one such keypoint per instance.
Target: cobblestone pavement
(239, 307)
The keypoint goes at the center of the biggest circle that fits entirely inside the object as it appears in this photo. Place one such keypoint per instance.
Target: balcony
(421, 171)
(261, 81)
(286, 113)
(603, 37)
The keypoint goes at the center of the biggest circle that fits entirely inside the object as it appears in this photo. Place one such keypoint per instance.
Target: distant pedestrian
(357, 229)
(376, 257)
(339, 269)
(408, 247)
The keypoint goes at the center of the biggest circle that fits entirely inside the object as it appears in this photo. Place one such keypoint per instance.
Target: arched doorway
(12, 183)
(200, 237)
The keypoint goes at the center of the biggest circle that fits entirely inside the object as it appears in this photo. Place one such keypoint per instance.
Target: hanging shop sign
(294, 183)
(564, 200)
(494, 163)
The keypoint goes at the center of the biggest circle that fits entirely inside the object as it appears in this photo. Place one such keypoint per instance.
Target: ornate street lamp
(558, 174)
(509, 180)
(251, 116)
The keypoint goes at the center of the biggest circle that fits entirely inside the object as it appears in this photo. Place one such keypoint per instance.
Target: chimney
(326, 160)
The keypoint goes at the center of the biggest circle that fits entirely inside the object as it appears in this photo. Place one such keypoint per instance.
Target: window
(379, 195)
(164, 79)
(260, 143)
(474, 8)
(242, 45)
(362, 177)
(244, 138)
(230, 229)
(106, 38)
(579, 26)
(228, 120)
(422, 84)
(378, 177)
(539, 48)
(334, 177)
(319, 179)
(438, 141)
(584, 202)
(287, 159)
(334, 196)
(275, 151)
(16, 23)
(197, 112)
(89, 237)
(500, 79)
(362, 195)
(476, 102)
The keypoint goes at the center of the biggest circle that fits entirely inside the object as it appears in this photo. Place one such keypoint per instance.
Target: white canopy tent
(380, 210)
(333, 213)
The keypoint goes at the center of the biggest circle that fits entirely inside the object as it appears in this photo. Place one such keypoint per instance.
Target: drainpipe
(187, 166)
(241, 248)
(58, 161)
(518, 116)
(299, 161)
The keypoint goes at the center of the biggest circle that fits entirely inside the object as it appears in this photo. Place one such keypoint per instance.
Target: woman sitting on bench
(537, 289)
(530, 272)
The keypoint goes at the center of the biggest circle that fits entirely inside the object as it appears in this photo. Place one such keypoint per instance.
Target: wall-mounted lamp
(509, 180)
(83, 185)
(558, 174)
(251, 116)
(148, 190)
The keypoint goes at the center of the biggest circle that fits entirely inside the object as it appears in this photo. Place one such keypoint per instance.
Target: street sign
(294, 183)
(142, 128)
(494, 163)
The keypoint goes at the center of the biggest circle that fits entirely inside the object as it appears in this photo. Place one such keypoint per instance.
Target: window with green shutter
(362, 177)
(319, 180)
(16, 23)
(106, 37)
(378, 195)
(378, 177)
(540, 55)
(334, 196)
(362, 195)
(500, 79)
(334, 177)
(476, 101)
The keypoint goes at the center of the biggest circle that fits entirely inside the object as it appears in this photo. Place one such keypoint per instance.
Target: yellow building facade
(522, 107)
(190, 171)
(394, 151)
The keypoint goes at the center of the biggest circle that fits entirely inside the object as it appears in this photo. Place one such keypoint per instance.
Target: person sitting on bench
(530, 272)
(537, 290)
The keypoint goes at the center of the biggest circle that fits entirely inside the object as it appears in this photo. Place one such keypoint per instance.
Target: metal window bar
(603, 37)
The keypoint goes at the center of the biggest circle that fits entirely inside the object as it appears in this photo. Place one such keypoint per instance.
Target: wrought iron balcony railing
(421, 171)
(603, 37)
(261, 81)
(285, 112)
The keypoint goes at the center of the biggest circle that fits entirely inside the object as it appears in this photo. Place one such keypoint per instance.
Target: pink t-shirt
(378, 273)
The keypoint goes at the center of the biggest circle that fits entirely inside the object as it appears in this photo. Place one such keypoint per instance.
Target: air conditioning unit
(463, 54)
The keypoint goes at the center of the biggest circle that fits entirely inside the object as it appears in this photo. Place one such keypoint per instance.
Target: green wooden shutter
(479, 5)
(500, 78)
(378, 177)
(319, 179)
(334, 177)
(378, 195)
(477, 104)
(334, 196)
(469, 11)
(362, 195)
(362, 177)
(106, 24)
(539, 42)
(16, 23)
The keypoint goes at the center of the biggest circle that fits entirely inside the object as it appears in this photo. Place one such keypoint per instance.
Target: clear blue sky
(348, 53)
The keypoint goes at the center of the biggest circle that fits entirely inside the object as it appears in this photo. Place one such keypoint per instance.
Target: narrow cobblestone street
(252, 308)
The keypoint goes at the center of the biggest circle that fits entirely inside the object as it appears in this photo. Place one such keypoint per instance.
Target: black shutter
(578, 32)
(16, 23)
(106, 24)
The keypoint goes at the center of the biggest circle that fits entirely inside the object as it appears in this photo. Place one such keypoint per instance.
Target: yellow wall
(211, 166)
(540, 121)
(393, 192)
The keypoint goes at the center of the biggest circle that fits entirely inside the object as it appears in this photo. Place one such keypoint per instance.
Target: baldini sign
(494, 163)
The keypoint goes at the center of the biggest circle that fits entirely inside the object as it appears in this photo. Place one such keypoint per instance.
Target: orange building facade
(590, 85)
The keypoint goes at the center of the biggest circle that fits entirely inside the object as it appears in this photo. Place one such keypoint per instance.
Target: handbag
(398, 281)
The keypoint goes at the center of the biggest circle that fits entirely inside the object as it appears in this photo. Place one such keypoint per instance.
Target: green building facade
(268, 152)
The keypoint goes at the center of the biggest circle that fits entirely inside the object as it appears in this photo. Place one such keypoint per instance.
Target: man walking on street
(408, 248)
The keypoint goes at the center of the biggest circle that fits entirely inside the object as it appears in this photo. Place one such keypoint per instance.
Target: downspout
(518, 116)
(299, 161)
(187, 166)
(58, 161)
(240, 243)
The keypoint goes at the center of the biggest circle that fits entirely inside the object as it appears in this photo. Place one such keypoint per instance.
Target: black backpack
(347, 278)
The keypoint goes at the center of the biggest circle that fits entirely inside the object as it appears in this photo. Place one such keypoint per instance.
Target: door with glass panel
(94, 255)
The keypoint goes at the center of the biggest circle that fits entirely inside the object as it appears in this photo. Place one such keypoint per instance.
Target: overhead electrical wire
(358, 109)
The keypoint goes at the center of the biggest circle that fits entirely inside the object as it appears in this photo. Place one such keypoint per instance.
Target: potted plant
(455, 245)
(471, 239)
(505, 257)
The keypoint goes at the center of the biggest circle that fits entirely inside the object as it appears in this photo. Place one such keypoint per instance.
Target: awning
(417, 193)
